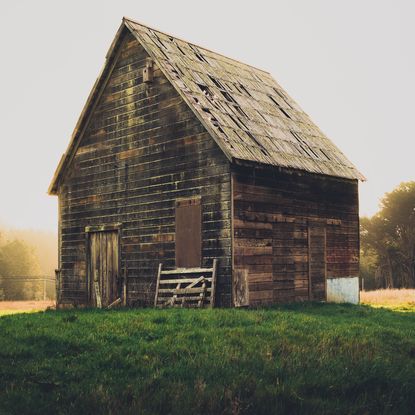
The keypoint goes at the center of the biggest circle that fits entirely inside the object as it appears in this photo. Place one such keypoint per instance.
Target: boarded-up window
(188, 233)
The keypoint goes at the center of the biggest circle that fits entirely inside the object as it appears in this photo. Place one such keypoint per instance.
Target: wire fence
(25, 288)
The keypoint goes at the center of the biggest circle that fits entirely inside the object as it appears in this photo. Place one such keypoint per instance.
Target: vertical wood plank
(213, 285)
(157, 284)
(241, 289)
(317, 261)
(115, 266)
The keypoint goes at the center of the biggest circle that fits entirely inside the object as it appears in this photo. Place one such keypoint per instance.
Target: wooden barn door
(103, 266)
(317, 262)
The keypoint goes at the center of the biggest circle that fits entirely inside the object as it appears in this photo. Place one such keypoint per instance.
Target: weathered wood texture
(103, 252)
(142, 150)
(244, 108)
(290, 229)
(186, 287)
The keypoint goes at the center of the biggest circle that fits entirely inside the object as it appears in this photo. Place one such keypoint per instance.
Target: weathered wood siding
(293, 229)
(143, 150)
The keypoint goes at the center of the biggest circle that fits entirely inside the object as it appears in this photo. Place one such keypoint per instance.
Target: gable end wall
(142, 150)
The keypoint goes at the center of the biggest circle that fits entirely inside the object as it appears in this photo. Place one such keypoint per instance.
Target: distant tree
(17, 258)
(390, 236)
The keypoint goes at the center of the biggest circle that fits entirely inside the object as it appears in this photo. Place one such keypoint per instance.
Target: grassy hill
(310, 358)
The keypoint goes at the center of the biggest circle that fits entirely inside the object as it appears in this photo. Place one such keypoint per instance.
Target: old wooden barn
(182, 155)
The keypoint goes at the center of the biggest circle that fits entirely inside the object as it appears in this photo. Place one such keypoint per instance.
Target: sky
(349, 64)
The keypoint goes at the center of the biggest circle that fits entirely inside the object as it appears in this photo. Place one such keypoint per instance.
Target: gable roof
(245, 110)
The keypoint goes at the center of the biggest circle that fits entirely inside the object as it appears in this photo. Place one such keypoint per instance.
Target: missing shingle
(252, 137)
(257, 142)
(164, 54)
(242, 122)
(222, 132)
(256, 76)
(282, 96)
(205, 89)
(285, 113)
(179, 71)
(244, 89)
(279, 106)
(214, 121)
(240, 111)
(238, 122)
(180, 49)
(217, 82)
(235, 121)
(260, 114)
(327, 157)
(199, 55)
(315, 154)
(159, 41)
(309, 151)
(297, 137)
(228, 96)
(305, 146)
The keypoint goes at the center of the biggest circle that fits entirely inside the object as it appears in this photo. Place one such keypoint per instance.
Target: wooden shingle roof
(248, 113)
(245, 110)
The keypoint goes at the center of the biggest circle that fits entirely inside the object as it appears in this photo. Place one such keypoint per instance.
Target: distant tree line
(388, 241)
(18, 258)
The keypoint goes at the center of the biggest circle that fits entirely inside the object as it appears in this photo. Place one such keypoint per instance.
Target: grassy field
(310, 358)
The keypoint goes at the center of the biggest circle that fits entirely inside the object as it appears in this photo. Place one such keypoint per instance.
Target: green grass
(310, 359)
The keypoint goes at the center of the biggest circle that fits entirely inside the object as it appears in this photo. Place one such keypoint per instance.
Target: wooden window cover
(188, 233)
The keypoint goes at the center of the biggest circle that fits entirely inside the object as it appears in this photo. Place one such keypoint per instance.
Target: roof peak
(125, 18)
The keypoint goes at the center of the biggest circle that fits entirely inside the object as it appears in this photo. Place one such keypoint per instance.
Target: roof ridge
(194, 44)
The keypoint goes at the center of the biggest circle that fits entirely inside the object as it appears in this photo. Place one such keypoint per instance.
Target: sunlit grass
(17, 307)
(395, 299)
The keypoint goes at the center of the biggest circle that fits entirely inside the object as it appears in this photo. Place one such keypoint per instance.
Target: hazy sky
(349, 64)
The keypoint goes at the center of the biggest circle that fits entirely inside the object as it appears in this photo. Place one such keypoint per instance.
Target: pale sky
(349, 64)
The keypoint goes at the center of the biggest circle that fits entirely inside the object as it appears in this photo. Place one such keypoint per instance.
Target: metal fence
(20, 287)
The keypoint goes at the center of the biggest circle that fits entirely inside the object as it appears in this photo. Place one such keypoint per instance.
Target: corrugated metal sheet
(249, 114)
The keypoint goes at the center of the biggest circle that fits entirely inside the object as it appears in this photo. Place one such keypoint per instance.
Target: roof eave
(256, 164)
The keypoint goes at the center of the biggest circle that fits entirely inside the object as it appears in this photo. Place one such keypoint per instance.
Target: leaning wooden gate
(186, 287)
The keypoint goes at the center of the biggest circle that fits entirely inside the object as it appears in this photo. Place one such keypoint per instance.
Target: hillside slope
(311, 358)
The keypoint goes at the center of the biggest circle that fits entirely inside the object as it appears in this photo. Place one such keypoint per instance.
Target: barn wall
(143, 150)
(289, 228)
